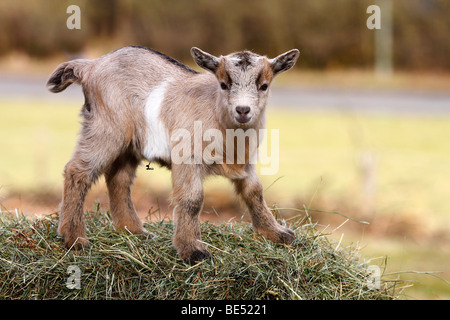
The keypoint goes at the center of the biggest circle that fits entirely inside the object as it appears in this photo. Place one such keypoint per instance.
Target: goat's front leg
(188, 202)
(251, 191)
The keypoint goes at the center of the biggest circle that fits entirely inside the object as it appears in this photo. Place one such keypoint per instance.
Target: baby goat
(135, 101)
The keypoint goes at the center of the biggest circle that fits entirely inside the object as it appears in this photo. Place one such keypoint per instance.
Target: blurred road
(301, 98)
(363, 100)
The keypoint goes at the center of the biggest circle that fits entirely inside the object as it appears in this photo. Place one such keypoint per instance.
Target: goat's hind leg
(119, 178)
(92, 155)
(78, 177)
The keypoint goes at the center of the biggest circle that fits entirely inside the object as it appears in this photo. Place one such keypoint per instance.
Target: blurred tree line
(329, 33)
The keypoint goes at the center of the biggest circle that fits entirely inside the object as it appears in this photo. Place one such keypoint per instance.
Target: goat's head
(244, 79)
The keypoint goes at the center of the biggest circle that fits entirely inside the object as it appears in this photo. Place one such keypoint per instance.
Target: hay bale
(35, 265)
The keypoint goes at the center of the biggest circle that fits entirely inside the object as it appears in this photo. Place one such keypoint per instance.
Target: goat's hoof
(278, 234)
(286, 235)
(146, 235)
(77, 244)
(197, 256)
(140, 232)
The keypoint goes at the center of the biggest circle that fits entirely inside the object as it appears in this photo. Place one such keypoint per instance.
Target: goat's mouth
(243, 119)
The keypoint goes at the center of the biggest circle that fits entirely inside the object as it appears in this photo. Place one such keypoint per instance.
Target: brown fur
(114, 133)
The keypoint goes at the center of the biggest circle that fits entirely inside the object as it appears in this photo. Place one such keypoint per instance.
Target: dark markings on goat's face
(244, 79)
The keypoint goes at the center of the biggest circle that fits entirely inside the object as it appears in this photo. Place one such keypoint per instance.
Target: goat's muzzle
(243, 114)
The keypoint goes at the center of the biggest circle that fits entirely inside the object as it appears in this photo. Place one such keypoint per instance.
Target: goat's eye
(223, 85)
(263, 87)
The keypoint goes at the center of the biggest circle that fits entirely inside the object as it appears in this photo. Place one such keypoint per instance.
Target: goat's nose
(242, 110)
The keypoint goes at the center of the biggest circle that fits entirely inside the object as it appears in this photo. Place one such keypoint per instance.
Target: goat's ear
(284, 61)
(205, 60)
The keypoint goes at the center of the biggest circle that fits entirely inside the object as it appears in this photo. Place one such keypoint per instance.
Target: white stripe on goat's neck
(157, 135)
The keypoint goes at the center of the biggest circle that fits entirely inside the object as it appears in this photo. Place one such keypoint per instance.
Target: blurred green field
(410, 157)
(323, 164)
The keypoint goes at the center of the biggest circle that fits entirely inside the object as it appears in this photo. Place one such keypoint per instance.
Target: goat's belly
(157, 146)
(157, 141)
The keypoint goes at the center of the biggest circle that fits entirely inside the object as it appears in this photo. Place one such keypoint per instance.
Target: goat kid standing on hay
(136, 101)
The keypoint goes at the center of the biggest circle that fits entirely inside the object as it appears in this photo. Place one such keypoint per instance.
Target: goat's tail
(66, 74)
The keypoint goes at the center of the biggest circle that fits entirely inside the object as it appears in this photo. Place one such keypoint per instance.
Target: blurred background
(364, 117)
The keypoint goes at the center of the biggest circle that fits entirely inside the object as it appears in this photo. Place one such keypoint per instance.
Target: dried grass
(34, 264)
